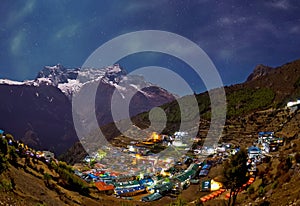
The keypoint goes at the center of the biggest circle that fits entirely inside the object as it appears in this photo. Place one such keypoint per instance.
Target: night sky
(237, 35)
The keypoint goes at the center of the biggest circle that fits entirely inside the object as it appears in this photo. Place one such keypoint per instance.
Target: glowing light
(215, 185)
(165, 174)
(155, 137)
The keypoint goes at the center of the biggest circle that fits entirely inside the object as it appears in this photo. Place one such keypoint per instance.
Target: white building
(253, 152)
(293, 106)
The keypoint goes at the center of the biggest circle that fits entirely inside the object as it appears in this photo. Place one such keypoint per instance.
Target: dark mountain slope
(40, 116)
(282, 80)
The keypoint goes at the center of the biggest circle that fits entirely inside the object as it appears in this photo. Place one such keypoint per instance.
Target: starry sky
(236, 34)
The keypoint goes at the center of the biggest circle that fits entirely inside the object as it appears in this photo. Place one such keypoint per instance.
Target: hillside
(266, 88)
(273, 88)
(26, 179)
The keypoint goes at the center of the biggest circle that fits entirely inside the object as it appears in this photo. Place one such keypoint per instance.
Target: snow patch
(137, 87)
(114, 69)
(10, 82)
(120, 90)
(71, 87)
(43, 80)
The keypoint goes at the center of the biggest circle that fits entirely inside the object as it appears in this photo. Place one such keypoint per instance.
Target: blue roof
(253, 148)
(263, 133)
(92, 176)
(1, 131)
(145, 181)
(206, 167)
(203, 173)
(131, 189)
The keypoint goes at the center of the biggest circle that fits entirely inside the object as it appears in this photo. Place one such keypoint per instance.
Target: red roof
(103, 187)
(114, 174)
(99, 173)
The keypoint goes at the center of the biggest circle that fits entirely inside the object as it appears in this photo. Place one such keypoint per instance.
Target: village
(171, 178)
(149, 179)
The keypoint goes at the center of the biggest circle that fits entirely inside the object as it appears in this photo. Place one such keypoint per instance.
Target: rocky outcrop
(259, 71)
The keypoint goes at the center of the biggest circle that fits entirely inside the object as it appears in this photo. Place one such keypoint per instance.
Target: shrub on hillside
(242, 101)
(3, 147)
(250, 190)
(3, 163)
(261, 191)
(41, 170)
(13, 156)
(47, 177)
(5, 185)
(70, 180)
(275, 184)
(65, 166)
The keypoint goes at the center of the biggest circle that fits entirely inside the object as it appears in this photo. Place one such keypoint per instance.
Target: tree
(3, 146)
(9, 137)
(235, 174)
(13, 156)
(3, 163)
(27, 161)
(47, 178)
(3, 154)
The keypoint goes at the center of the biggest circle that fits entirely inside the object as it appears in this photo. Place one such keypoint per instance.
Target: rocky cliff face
(259, 71)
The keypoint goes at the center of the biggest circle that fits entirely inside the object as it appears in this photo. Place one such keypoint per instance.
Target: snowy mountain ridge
(70, 81)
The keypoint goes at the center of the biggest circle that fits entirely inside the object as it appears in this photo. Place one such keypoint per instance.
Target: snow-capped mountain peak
(56, 75)
(70, 81)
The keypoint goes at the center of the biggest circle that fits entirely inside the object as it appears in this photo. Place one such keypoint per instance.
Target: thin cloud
(19, 14)
(280, 4)
(142, 5)
(294, 30)
(16, 44)
(68, 31)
